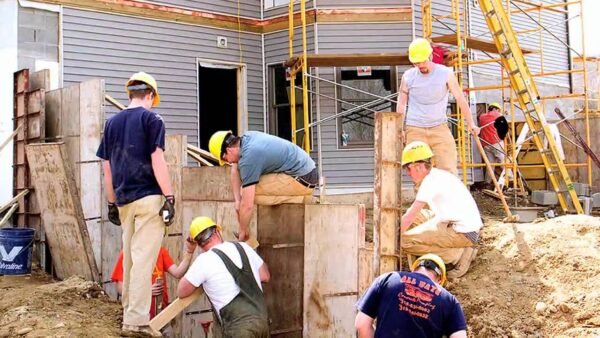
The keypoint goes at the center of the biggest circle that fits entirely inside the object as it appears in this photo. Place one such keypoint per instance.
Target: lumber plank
(66, 231)
(10, 137)
(199, 158)
(330, 269)
(175, 308)
(221, 212)
(277, 227)
(114, 102)
(353, 60)
(474, 43)
(202, 153)
(176, 158)
(39, 80)
(8, 214)
(207, 184)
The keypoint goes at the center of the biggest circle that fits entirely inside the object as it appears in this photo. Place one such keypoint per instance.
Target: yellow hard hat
(147, 79)
(200, 224)
(495, 105)
(419, 50)
(416, 151)
(215, 144)
(435, 259)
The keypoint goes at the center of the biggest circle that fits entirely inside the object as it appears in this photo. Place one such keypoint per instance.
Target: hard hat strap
(430, 265)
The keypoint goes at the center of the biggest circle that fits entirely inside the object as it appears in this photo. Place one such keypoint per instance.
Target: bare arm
(462, 103)
(185, 288)
(119, 286)
(236, 182)
(410, 214)
(178, 271)
(459, 334)
(402, 98)
(263, 272)
(159, 166)
(246, 208)
(364, 326)
(110, 191)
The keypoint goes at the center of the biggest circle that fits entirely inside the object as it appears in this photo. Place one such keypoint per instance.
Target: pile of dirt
(534, 279)
(33, 306)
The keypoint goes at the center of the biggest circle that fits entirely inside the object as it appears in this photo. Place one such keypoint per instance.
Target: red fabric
(489, 133)
(438, 54)
(163, 263)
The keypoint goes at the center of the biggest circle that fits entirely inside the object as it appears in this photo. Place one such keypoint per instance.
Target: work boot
(139, 331)
(461, 268)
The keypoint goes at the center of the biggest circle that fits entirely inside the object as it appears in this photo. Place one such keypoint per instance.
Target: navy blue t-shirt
(130, 138)
(409, 304)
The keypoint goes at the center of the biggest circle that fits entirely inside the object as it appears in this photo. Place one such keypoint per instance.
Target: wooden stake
(8, 139)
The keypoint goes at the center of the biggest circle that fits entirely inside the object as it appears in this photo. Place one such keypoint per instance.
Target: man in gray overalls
(231, 274)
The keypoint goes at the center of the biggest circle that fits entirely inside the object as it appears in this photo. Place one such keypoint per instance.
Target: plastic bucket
(16, 246)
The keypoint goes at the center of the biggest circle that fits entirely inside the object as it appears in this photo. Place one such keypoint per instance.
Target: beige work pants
(441, 141)
(434, 237)
(273, 189)
(143, 231)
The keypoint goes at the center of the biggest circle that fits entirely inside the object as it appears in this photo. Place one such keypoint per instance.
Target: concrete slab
(544, 197)
(596, 200)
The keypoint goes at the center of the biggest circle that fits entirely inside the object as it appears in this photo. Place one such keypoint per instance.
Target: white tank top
(427, 96)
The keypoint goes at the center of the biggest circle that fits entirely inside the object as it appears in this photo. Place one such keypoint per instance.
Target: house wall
(247, 8)
(112, 47)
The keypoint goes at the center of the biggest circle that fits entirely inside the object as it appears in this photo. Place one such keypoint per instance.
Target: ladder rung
(498, 33)
(514, 72)
(506, 53)
(491, 12)
(524, 91)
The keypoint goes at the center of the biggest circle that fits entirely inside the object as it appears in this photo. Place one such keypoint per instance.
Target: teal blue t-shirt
(262, 154)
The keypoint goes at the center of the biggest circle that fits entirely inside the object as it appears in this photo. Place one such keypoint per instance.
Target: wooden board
(66, 231)
(474, 43)
(281, 234)
(175, 156)
(39, 80)
(387, 193)
(354, 60)
(221, 212)
(331, 269)
(207, 184)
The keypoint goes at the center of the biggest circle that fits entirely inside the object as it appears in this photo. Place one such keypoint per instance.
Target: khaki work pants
(441, 141)
(143, 231)
(435, 237)
(279, 188)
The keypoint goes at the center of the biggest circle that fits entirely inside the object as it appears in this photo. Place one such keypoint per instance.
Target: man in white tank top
(425, 88)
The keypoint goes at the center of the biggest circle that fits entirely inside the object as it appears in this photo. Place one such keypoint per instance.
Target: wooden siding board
(94, 48)
(247, 8)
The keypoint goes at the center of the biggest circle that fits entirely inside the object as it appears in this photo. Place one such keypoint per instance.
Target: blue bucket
(16, 246)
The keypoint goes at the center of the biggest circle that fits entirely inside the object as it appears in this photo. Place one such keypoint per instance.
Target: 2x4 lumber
(473, 43)
(8, 214)
(114, 102)
(58, 198)
(174, 309)
(199, 159)
(14, 200)
(353, 60)
(11, 136)
(388, 192)
(202, 153)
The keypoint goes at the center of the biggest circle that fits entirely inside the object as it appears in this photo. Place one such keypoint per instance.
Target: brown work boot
(461, 268)
(139, 331)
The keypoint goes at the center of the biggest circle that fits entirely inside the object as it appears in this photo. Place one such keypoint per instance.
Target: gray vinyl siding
(277, 44)
(351, 168)
(248, 8)
(284, 10)
(363, 3)
(112, 47)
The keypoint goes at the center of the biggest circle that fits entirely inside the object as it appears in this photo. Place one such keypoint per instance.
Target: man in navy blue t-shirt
(411, 304)
(139, 194)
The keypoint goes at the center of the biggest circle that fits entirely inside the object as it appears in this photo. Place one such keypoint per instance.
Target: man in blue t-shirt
(265, 169)
(139, 194)
(411, 304)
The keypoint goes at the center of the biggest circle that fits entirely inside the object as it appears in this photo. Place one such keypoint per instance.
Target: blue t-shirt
(262, 154)
(130, 138)
(409, 304)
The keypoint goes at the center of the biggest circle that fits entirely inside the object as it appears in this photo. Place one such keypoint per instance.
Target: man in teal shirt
(266, 169)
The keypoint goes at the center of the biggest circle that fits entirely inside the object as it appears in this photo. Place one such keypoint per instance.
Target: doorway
(218, 100)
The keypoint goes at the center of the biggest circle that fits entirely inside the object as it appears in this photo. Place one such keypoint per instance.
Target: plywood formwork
(66, 232)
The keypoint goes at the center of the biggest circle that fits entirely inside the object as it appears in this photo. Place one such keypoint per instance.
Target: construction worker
(265, 169)
(411, 304)
(452, 225)
(425, 88)
(492, 124)
(139, 194)
(164, 264)
(231, 274)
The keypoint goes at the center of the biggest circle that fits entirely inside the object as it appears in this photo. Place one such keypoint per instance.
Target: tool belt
(310, 180)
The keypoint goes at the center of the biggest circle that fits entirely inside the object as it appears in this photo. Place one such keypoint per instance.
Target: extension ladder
(527, 94)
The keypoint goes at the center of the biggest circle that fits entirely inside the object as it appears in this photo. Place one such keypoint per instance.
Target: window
(275, 3)
(356, 129)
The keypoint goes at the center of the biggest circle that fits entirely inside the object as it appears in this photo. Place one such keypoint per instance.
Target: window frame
(393, 73)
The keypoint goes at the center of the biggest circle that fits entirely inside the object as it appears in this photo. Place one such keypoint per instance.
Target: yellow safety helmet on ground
(419, 50)
(215, 144)
(441, 267)
(494, 105)
(416, 151)
(199, 224)
(147, 79)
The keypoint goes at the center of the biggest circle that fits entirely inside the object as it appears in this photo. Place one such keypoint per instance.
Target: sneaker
(139, 331)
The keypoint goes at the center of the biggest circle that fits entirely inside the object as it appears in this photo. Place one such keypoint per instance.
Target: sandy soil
(34, 306)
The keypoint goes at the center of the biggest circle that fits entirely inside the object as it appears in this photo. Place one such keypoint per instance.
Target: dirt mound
(71, 308)
(535, 279)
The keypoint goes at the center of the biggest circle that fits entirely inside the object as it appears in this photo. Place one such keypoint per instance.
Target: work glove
(113, 214)
(167, 212)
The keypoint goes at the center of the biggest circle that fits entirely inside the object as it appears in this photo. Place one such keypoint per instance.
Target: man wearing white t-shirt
(231, 274)
(452, 230)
